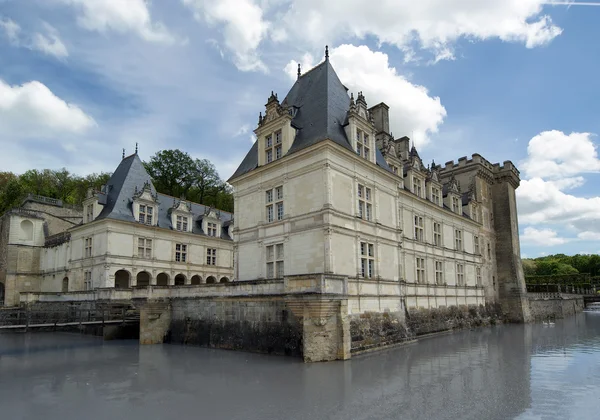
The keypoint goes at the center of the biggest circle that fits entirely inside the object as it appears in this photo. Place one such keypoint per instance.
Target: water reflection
(525, 372)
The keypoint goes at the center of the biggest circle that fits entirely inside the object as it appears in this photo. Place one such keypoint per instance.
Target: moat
(538, 371)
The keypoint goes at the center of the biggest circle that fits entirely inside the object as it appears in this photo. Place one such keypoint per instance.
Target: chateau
(335, 218)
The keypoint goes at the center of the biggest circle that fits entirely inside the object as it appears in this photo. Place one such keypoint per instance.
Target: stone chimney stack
(380, 114)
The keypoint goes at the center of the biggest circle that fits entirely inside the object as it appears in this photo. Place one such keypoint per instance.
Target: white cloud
(32, 109)
(11, 29)
(542, 237)
(243, 28)
(589, 236)
(50, 43)
(120, 16)
(556, 155)
(413, 111)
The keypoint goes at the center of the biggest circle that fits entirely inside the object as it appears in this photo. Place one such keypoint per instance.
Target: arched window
(26, 233)
(65, 285)
(143, 279)
(211, 280)
(224, 280)
(196, 279)
(162, 279)
(179, 280)
(122, 279)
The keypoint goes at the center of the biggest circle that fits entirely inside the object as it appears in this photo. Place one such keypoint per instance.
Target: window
(367, 260)
(273, 150)
(275, 259)
(437, 234)
(211, 256)
(435, 195)
(460, 274)
(478, 273)
(363, 147)
(211, 229)
(417, 186)
(145, 214)
(394, 169)
(476, 245)
(88, 247)
(439, 272)
(455, 206)
(489, 251)
(420, 270)
(182, 223)
(87, 280)
(419, 228)
(365, 208)
(180, 252)
(90, 213)
(274, 199)
(144, 248)
(458, 240)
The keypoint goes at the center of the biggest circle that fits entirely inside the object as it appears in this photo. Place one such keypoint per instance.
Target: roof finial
(326, 52)
(136, 148)
(123, 153)
(299, 70)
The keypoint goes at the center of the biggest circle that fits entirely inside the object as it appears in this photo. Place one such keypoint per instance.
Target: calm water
(507, 372)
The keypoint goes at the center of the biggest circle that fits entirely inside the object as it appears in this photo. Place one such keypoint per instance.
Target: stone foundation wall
(544, 309)
(371, 330)
(264, 326)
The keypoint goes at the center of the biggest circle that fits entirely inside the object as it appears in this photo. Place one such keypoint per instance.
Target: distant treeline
(173, 173)
(561, 264)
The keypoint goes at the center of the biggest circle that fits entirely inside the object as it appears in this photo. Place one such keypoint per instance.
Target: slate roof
(321, 103)
(121, 187)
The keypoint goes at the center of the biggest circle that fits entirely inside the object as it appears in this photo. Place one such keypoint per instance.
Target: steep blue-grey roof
(131, 176)
(321, 103)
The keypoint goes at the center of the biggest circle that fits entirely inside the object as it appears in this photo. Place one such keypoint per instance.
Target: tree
(172, 171)
(529, 267)
(206, 179)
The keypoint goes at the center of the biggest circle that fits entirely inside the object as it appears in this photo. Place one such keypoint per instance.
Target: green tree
(172, 171)
(206, 179)
(529, 267)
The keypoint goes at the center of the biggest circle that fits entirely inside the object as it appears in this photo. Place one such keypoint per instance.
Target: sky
(509, 79)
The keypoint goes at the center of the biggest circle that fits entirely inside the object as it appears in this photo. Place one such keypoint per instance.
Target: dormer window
(89, 213)
(417, 186)
(145, 214)
(182, 223)
(211, 229)
(363, 146)
(435, 195)
(273, 147)
(455, 204)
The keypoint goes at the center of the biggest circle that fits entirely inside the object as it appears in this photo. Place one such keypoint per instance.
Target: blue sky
(512, 80)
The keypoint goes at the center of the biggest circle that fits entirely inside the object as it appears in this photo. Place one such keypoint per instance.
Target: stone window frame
(456, 205)
(182, 223)
(419, 228)
(420, 272)
(364, 202)
(211, 256)
(146, 214)
(417, 186)
(363, 144)
(438, 239)
(478, 276)
(367, 260)
(273, 146)
(87, 247)
(274, 207)
(436, 195)
(144, 247)
(439, 272)
(87, 280)
(458, 240)
(89, 215)
(476, 245)
(181, 251)
(275, 260)
(460, 274)
(211, 229)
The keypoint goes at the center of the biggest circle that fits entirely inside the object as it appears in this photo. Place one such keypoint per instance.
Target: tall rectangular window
(435, 195)
(144, 248)
(420, 263)
(275, 258)
(458, 244)
(363, 146)
(417, 186)
(180, 252)
(274, 201)
(460, 274)
(439, 272)
(87, 280)
(365, 208)
(90, 213)
(478, 274)
(182, 223)
(419, 228)
(211, 256)
(88, 247)
(455, 205)
(145, 214)
(211, 229)
(367, 260)
(437, 234)
(273, 150)
(476, 245)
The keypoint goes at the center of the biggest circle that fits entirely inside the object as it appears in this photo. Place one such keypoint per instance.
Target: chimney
(380, 113)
